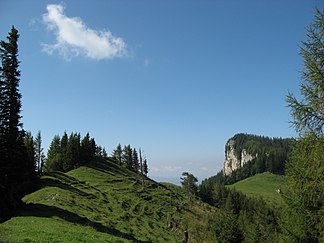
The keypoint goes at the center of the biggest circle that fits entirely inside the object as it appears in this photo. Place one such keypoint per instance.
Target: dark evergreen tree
(73, 152)
(127, 156)
(101, 152)
(93, 146)
(54, 155)
(145, 167)
(70, 152)
(141, 168)
(226, 227)
(104, 153)
(16, 171)
(86, 152)
(39, 154)
(135, 161)
(117, 154)
(63, 150)
(189, 184)
(30, 149)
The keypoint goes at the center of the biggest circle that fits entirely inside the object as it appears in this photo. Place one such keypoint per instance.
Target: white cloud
(74, 38)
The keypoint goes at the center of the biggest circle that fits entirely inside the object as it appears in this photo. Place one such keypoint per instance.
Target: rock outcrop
(233, 159)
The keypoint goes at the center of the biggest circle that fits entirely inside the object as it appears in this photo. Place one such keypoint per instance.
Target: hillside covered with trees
(268, 154)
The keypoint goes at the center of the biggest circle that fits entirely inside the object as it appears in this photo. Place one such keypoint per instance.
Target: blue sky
(176, 78)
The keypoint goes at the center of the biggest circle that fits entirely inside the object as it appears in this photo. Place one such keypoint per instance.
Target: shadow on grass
(65, 186)
(41, 210)
(108, 167)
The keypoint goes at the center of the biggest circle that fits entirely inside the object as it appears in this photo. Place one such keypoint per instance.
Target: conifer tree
(127, 156)
(101, 152)
(39, 155)
(308, 114)
(63, 150)
(141, 167)
(30, 149)
(117, 154)
(73, 152)
(86, 150)
(54, 155)
(145, 167)
(189, 183)
(93, 146)
(135, 162)
(16, 172)
(303, 221)
(104, 153)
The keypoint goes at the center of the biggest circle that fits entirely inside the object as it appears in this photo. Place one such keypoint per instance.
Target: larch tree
(304, 219)
(308, 113)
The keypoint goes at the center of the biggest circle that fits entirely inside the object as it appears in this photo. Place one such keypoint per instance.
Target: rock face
(233, 161)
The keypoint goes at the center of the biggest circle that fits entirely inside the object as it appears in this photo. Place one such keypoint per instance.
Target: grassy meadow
(105, 202)
(263, 185)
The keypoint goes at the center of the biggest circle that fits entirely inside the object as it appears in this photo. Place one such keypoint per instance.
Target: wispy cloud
(74, 38)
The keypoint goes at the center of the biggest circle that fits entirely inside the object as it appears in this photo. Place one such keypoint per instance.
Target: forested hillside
(264, 153)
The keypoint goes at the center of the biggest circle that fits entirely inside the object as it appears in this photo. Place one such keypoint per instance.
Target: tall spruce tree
(135, 162)
(39, 155)
(63, 150)
(73, 152)
(117, 154)
(127, 156)
(86, 152)
(54, 155)
(10, 106)
(304, 219)
(30, 149)
(16, 172)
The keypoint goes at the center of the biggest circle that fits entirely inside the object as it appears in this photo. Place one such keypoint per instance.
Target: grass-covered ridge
(103, 201)
(263, 185)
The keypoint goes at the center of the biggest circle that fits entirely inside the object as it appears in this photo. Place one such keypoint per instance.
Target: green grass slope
(263, 185)
(104, 202)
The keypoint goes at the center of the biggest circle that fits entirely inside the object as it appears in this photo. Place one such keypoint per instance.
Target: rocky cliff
(234, 157)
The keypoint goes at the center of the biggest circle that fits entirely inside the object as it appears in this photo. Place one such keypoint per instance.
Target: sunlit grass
(263, 185)
(104, 202)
